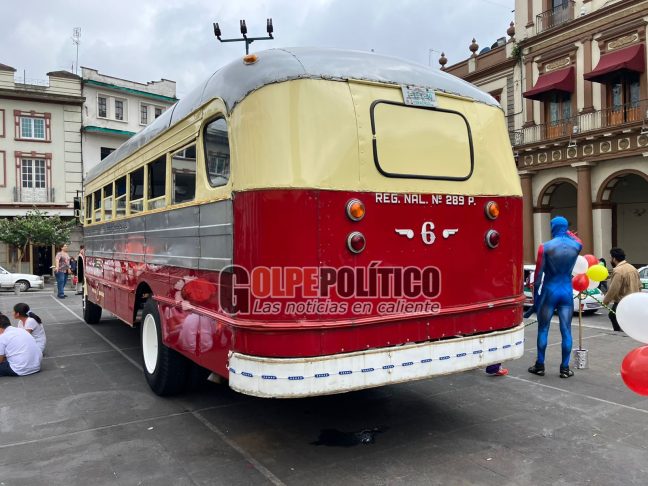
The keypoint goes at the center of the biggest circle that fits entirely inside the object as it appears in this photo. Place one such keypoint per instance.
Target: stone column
(542, 226)
(602, 219)
(529, 14)
(584, 204)
(526, 179)
(528, 83)
(588, 101)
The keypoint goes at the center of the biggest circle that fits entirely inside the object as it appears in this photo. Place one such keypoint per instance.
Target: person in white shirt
(19, 353)
(31, 323)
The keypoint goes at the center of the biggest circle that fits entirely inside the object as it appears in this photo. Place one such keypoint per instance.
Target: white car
(643, 275)
(23, 281)
(591, 303)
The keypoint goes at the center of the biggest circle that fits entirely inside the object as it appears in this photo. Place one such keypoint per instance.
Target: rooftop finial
(443, 60)
(473, 47)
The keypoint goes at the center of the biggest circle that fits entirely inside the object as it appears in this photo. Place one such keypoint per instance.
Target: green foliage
(516, 52)
(37, 228)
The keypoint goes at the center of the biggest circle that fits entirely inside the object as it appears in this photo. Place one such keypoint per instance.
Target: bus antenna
(245, 38)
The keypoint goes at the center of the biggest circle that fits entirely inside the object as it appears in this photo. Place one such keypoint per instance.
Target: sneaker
(566, 372)
(502, 372)
(537, 369)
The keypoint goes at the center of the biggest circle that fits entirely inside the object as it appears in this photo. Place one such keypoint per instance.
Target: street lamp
(245, 38)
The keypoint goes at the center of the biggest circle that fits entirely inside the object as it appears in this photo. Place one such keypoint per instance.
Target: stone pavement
(89, 418)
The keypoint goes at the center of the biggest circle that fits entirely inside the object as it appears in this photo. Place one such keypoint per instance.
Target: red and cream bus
(309, 222)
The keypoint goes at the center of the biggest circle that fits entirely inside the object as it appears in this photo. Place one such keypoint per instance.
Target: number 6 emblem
(427, 233)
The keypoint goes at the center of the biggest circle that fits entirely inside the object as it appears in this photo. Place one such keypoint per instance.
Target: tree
(36, 228)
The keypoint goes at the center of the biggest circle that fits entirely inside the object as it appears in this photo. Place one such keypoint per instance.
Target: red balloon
(580, 282)
(634, 370)
(591, 260)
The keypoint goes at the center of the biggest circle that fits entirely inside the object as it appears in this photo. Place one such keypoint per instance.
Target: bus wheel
(165, 370)
(91, 311)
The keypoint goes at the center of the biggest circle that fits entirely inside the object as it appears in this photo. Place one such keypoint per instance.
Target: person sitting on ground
(19, 353)
(31, 323)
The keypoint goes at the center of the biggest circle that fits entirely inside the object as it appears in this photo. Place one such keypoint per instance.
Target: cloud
(143, 40)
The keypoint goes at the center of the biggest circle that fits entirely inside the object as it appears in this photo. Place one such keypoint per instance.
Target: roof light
(250, 58)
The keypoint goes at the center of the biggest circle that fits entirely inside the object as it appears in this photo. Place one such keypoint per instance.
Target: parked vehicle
(590, 304)
(643, 275)
(23, 281)
(251, 262)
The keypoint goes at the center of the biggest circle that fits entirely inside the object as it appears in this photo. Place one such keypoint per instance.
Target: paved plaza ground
(89, 418)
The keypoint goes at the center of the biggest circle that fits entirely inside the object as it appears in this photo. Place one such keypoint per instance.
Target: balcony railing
(554, 17)
(34, 195)
(615, 117)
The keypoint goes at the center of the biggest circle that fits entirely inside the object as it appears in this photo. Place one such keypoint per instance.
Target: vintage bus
(312, 221)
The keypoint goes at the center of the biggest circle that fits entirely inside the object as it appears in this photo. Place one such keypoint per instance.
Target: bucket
(580, 359)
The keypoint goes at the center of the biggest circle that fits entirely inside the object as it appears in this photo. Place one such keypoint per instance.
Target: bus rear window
(421, 143)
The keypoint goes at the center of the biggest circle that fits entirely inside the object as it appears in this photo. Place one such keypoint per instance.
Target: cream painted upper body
(311, 133)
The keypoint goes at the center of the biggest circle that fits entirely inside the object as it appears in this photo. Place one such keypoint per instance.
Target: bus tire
(91, 311)
(165, 370)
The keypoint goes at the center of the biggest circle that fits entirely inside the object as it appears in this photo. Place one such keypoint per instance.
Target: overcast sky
(144, 40)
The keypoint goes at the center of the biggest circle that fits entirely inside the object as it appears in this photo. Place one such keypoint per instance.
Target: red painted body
(481, 288)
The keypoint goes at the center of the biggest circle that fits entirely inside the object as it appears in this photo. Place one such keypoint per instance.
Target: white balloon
(580, 266)
(593, 284)
(632, 314)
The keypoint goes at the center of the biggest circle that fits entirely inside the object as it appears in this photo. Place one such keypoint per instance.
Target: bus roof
(234, 81)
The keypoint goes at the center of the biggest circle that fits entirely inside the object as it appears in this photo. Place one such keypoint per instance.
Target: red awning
(561, 80)
(629, 59)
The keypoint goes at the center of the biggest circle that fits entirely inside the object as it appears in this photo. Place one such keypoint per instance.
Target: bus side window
(217, 152)
(137, 191)
(97, 206)
(120, 197)
(88, 209)
(108, 201)
(157, 183)
(183, 174)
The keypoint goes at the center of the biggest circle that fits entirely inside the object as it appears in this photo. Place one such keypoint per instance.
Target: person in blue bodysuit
(552, 291)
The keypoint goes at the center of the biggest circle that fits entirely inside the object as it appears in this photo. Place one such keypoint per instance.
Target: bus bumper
(339, 373)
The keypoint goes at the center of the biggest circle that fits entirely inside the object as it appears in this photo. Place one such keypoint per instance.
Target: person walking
(31, 323)
(62, 269)
(552, 291)
(80, 269)
(19, 353)
(624, 281)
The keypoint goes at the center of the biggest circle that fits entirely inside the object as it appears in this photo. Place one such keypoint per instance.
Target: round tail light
(356, 242)
(492, 210)
(492, 239)
(355, 209)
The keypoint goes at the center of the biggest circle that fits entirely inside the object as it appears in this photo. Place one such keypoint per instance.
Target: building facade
(40, 155)
(578, 119)
(115, 109)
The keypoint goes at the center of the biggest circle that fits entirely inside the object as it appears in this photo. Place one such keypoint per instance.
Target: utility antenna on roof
(245, 38)
(76, 40)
